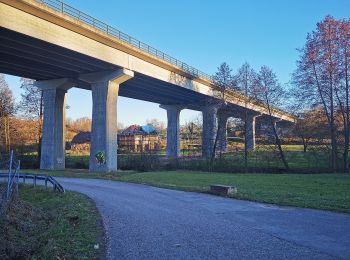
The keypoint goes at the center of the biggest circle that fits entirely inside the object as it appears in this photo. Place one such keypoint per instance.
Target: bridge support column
(104, 144)
(173, 130)
(250, 134)
(209, 129)
(222, 132)
(53, 133)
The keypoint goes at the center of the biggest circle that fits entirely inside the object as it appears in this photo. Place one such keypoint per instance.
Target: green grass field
(319, 191)
(43, 224)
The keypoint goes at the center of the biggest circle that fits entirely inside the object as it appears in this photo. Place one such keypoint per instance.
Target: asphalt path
(144, 222)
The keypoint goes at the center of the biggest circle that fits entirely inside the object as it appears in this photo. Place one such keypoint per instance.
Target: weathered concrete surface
(105, 88)
(222, 132)
(173, 131)
(53, 138)
(144, 222)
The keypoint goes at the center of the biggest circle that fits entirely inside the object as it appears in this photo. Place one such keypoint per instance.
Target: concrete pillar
(250, 134)
(53, 133)
(222, 132)
(104, 143)
(173, 130)
(209, 129)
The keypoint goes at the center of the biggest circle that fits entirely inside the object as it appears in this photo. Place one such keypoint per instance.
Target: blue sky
(205, 33)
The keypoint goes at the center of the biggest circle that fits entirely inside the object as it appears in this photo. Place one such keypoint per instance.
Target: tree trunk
(40, 129)
(245, 128)
(212, 156)
(278, 141)
(332, 126)
(8, 134)
(279, 145)
(304, 144)
(347, 114)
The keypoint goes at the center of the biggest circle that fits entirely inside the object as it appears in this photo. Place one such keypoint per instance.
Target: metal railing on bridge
(63, 8)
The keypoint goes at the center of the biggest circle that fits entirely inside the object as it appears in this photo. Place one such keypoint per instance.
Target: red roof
(132, 128)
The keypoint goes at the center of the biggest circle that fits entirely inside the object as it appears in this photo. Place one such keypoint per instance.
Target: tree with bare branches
(7, 109)
(31, 106)
(223, 84)
(245, 80)
(322, 78)
(270, 92)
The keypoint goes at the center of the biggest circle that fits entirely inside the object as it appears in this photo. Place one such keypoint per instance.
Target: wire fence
(149, 152)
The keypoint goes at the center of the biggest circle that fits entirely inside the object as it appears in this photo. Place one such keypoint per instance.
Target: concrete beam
(105, 88)
(53, 137)
(62, 83)
(173, 130)
(117, 76)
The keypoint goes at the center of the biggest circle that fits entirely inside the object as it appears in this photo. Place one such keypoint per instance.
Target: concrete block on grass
(223, 190)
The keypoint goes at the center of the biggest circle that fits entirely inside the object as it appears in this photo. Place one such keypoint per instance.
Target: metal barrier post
(9, 176)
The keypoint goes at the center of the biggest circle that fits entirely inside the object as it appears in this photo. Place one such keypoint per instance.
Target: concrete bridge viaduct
(62, 48)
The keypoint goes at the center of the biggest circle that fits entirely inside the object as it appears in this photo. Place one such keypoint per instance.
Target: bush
(29, 161)
(77, 162)
(139, 162)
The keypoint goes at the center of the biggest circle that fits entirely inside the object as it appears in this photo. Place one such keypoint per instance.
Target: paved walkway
(144, 222)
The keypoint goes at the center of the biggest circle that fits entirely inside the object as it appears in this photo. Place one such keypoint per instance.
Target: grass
(43, 224)
(318, 191)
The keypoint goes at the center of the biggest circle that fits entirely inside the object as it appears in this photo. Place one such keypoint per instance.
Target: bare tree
(322, 77)
(343, 77)
(120, 127)
(270, 92)
(223, 84)
(311, 125)
(82, 124)
(245, 80)
(157, 124)
(7, 109)
(31, 106)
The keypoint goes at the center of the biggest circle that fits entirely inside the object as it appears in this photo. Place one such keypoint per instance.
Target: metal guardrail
(36, 177)
(74, 13)
(10, 168)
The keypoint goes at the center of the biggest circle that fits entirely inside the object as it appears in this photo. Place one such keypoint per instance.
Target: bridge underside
(24, 56)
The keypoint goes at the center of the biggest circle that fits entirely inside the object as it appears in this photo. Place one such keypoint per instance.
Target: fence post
(18, 169)
(9, 176)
